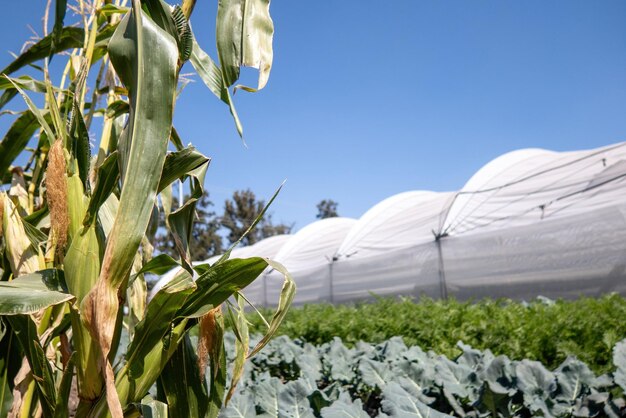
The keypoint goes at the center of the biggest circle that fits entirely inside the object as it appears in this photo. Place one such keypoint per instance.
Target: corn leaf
(149, 74)
(26, 82)
(10, 359)
(217, 361)
(180, 163)
(251, 227)
(149, 127)
(181, 382)
(117, 108)
(211, 75)
(61, 409)
(219, 282)
(146, 355)
(180, 223)
(244, 38)
(57, 30)
(242, 345)
(70, 37)
(39, 113)
(26, 334)
(108, 175)
(160, 264)
(287, 294)
(16, 139)
(23, 257)
(82, 262)
(32, 292)
(81, 149)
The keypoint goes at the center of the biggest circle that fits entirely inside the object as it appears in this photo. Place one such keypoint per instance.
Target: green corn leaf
(160, 264)
(211, 75)
(26, 334)
(39, 114)
(59, 329)
(149, 73)
(219, 282)
(147, 354)
(180, 163)
(217, 362)
(287, 294)
(82, 262)
(244, 38)
(81, 149)
(32, 292)
(16, 139)
(256, 221)
(61, 409)
(175, 140)
(180, 224)
(112, 9)
(76, 202)
(184, 387)
(10, 360)
(108, 175)
(7, 96)
(242, 345)
(117, 108)
(57, 30)
(70, 37)
(25, 82)
(160, 13)
(35, 236)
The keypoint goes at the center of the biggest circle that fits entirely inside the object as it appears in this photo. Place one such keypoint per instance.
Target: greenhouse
(531, 222)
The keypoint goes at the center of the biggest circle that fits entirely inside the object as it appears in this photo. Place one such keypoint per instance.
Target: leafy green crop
(542, 330)
(294, 378)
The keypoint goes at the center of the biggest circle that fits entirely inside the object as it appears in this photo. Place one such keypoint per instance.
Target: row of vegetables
(291, 378)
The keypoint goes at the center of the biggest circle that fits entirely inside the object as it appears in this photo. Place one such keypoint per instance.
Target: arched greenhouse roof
(399, 221)
(315, 244)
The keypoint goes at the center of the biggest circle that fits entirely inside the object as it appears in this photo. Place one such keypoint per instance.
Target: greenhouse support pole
(265, 289)
(331, 290)
(442, 271)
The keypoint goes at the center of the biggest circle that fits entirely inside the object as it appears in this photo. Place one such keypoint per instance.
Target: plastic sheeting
(531, 222)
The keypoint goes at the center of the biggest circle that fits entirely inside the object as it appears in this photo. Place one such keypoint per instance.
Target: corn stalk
(74, 238)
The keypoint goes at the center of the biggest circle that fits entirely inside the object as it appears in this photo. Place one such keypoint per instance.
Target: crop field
(541, 330)
(446, 359)
(291, 378)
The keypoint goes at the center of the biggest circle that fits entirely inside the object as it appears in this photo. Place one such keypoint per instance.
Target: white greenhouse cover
(531, 222)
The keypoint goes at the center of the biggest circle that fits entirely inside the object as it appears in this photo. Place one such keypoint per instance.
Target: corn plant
(76, 225)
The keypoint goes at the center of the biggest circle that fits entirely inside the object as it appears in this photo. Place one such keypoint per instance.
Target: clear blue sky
(371, 98)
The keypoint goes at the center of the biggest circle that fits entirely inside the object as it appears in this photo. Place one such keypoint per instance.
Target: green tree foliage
(239, 214)
(327, 208)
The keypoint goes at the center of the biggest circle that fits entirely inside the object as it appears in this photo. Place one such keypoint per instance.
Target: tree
(206, 241)
(75, 229)
(327, 208)
(241, 211)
